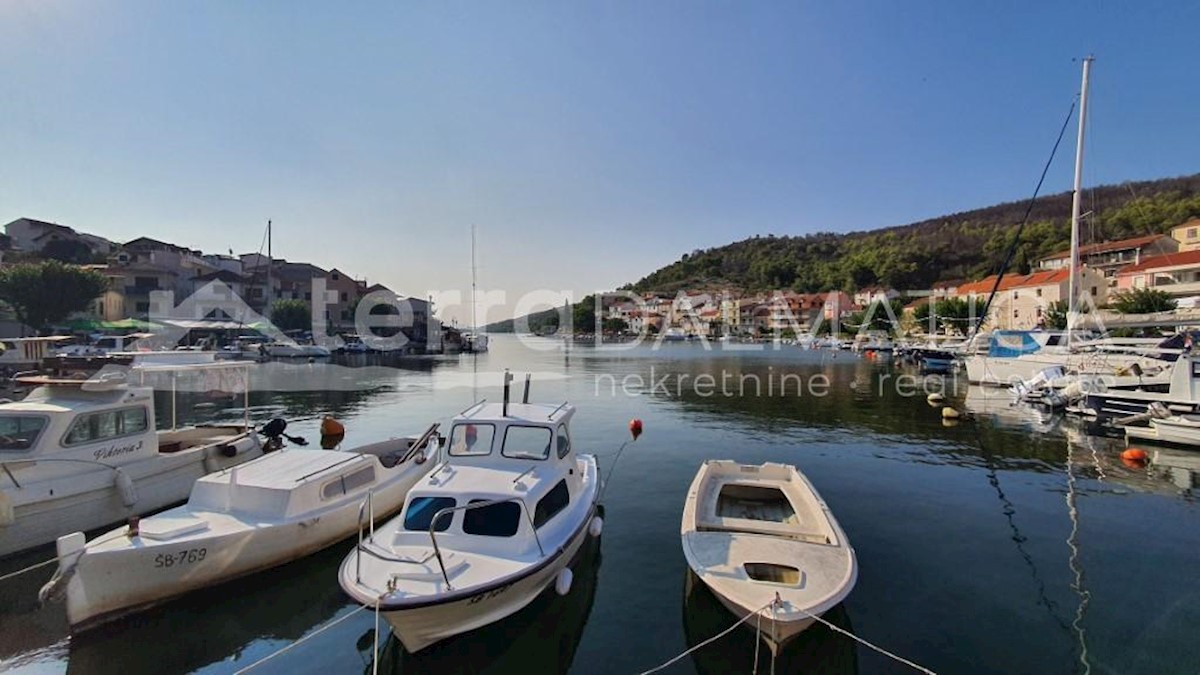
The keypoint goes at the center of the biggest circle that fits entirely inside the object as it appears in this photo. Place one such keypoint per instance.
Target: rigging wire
(1012, 248)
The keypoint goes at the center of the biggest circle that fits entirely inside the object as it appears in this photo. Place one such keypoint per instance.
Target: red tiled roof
(1010, 281)
(1168, 260)
(1106, 246)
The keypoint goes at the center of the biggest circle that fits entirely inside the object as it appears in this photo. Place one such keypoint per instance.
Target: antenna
(525, 397)
(507, 380)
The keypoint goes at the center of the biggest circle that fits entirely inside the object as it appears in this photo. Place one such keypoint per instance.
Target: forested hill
(967, 245)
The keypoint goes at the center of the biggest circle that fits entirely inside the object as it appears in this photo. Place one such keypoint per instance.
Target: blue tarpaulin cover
(1010, 343)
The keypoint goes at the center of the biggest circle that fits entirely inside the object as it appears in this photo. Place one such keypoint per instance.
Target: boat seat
(724, 524)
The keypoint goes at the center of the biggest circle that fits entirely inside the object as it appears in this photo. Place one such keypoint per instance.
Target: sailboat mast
(268, 308)
(472, 280)
(1076, 199)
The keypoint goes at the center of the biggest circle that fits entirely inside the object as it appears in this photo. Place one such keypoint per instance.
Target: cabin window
(555, 500)
(347, 483)
(108, 424)
(494, 520)
(564, 441)
(468, 440)
(526, 442)
(421, 511)
(20, 432)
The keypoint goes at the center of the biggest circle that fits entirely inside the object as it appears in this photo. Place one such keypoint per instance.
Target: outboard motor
(274, 433)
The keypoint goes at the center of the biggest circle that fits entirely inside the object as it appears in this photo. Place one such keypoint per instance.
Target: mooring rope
(28, 569)
(863, 642)
(709, 641)
(302, 640)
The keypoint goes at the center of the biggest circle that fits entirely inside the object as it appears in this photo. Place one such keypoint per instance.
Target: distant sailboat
(474, 341)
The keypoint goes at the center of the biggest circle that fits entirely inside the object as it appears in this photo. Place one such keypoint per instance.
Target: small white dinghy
(278, 508)
(486, 532)
(762, 540)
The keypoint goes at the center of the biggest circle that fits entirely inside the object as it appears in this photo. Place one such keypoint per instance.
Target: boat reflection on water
(209, 627)
(818, 649)
(1001, 405)
(541, 638)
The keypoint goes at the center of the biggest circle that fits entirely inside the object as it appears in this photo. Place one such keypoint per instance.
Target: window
(526, 443)
(20, 432)
(347, 483)
(1092, 291)
(494, 520)
(555, 500)
(421, 511)
(1039, 292)
(468, 440)
(108, 424)
(344, 297)
(1191, 233)
(1014, 295)
(335, 277)
(564, 441)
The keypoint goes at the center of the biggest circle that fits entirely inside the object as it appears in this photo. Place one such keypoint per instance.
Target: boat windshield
(421, 511)
(471, 439)
(20, 432)
(526, 442)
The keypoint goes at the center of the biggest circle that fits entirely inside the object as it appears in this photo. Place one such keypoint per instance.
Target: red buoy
(1136, 455)
(331, 427)
(635, 428)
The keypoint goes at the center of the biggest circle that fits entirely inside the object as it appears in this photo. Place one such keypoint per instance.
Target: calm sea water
(1008, 543)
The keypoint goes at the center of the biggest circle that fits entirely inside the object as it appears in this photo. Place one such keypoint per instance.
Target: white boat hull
(419, 627)
(45, 510)
(1173, 431)
(765, 544)
(110, 580)
(1007, 372)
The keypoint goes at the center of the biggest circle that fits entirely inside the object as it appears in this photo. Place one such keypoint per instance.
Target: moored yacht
(486, 531)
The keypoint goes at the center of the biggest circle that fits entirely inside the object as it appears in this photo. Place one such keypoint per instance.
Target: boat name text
(186, 557)
(116, 450)
(489, 595)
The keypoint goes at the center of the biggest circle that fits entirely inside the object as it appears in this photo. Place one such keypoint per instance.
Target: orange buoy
(331, 427)
(635, 428)
(1136, 455)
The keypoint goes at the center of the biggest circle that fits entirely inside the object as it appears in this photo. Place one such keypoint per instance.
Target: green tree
(1056, 315)
(956, 313)
(291, 315)
(1142, 301)
(615, 325)
(583, 315)
(47, 292)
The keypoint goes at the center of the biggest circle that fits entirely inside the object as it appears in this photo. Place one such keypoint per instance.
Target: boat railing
(367, 509)
(437, 552)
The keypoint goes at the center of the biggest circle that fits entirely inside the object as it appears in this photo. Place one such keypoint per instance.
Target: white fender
(596, 526)
(125, 486)
(562, 584)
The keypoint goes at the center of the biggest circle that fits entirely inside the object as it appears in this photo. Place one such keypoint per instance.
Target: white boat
(81, 455)
(295, 350)
(278, 508)
(1174, 429)
(764, 542)
(487, 531)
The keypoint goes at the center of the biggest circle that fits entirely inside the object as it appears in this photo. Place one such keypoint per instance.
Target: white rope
(28, 569)
(313, 634)
(757, 640)
(861, 641)
(375, 651)
(709, 641)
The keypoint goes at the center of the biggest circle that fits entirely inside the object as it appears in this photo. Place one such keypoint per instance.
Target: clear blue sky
(589, 142)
